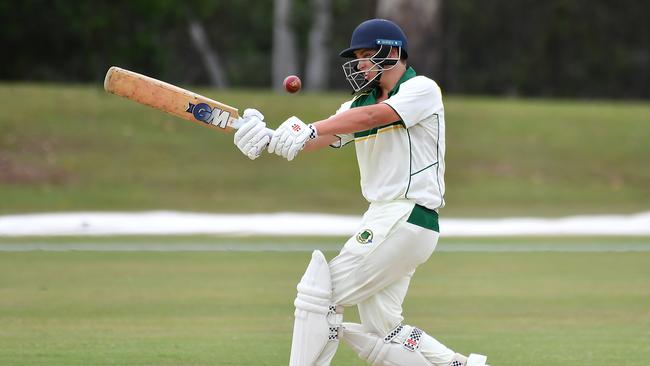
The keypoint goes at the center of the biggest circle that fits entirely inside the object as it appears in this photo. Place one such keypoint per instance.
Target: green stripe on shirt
(370, 98)
(374, 130)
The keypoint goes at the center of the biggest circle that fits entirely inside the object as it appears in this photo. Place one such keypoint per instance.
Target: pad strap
(412, 343)
(334, 317)
(393, 333)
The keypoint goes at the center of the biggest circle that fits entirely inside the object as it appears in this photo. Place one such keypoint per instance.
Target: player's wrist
(313, 132)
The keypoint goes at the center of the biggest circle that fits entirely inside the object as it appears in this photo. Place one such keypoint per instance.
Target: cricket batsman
(396, 121)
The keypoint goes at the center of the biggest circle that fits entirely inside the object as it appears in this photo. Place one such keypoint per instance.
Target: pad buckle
(334, 334)
(412, 343)
(334, 311)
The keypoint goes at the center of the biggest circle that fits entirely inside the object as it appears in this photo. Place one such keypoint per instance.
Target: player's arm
(293, 135)
(418, 98)
(357, 119)
(320, 142)
(350, 121)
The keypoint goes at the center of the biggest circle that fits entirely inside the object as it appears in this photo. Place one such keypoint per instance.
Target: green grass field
(77, 148)
(522, 301)
(235, 308)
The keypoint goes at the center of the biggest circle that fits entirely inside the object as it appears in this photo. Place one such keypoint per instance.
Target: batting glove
(253, 136)
(290, 138)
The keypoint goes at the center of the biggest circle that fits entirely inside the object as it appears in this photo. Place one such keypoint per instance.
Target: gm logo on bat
(212, 116)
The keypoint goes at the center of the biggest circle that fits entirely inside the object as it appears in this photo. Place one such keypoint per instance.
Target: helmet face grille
(380, 62)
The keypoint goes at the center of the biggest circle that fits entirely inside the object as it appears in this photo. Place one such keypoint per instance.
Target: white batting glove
(253, 136)
(290, 138)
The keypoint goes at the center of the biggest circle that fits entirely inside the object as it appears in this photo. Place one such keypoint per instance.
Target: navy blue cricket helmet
(376, 32)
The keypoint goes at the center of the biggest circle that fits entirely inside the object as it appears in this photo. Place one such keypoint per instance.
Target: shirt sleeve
(417, 99)
(344, 138)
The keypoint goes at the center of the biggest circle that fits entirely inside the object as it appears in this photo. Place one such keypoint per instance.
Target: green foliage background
(554, 48)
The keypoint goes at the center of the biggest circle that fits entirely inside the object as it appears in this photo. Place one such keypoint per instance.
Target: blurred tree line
(556, 48)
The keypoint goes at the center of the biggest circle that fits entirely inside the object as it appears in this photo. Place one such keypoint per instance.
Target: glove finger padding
(255, 151)
(288, 144)
(252, 136)
(277, 141)
(294, 150)
(243, 130)
(252, 112)
(282, 133)
(250, 133)
(290, 138)
(286, 139)
(258, 141)
(261, 144)
(274, 140)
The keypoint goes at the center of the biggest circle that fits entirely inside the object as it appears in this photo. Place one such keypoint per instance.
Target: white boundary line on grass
(302, 224)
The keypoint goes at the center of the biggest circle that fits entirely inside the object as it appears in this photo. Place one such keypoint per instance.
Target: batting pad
(316, 325)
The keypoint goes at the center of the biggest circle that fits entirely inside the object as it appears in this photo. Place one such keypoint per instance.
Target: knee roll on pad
(385, 351)
(316, 325)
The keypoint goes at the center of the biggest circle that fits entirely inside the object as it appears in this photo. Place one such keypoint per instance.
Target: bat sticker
(204, 113)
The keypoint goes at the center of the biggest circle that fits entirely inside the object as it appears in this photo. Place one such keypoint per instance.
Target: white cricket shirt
(404, 159)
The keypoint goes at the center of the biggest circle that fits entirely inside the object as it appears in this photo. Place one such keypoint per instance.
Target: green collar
(408, 74)
(371, 97)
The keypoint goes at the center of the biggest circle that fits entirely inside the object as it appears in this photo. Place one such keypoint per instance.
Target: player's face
(368, 65)
(365, 64)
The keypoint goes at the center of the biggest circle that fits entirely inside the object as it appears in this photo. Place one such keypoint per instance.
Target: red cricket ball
(292, 84)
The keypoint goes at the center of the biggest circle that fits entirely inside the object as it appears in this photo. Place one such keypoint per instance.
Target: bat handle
(237, 123)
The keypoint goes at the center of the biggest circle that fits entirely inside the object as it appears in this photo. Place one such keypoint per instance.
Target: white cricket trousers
(374, 268)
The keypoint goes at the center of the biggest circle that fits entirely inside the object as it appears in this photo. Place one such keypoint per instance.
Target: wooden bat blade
(171, 99)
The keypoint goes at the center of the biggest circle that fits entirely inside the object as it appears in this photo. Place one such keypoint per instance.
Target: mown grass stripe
(469, 246)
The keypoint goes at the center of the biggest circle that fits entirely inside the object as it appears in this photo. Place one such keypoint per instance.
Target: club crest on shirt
(365, 236)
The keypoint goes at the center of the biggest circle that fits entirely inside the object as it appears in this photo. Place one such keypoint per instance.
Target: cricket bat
(171, 99)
